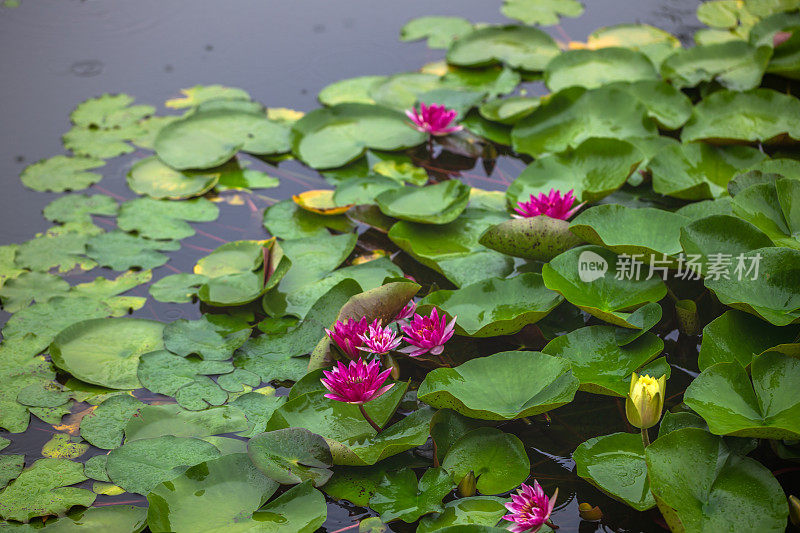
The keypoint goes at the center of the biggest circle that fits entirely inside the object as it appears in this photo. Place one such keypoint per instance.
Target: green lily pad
(401, 91)
(214, 495)
(80, 208)
(153, 178)
(546, 13)
(699, 485)
(495, 306)
(363, 191)
(707, 238)
(139, 466)
(653, 42)
(177, 288)
(163, 219)
(723, 396)
(117, 518)
(210, 340)
(101, 143)
(105, 425)
(121, 251)
(42, 489)
(602, 294)
(516, 46)
(258, 407)
(43, 395)
(595, 68)
(301, 509)
(509, 110)
(498, 460)
(760, 115)
(736, 65)
(503, 386)
(433, 204)
(61, 173)
(210, 136)
(333, 136)
(539, 238)
(60, 247)
(184, 378)
(645, 231)
(109, 111)
(739, 337)
(287, 220)
(10, 468)
(772, 208)
(665, 104)
(17, 293)
(200, 94)
(106, 351)
(159, 420)
(573, 115)
(350, 90)
(696, 171)
(594, 169)
(477, 510)
(292, 455)
(453, 249)
(601, 365)
(770, 293)
(234, 175)
(400, 496)
(439, 31)
(615, 464)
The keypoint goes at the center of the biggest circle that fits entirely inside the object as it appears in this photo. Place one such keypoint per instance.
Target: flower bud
(794, 510)
(645, 400)
(589, 512)
(467, 485)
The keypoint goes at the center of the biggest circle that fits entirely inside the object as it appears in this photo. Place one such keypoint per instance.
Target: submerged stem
(368, 419)
(645, 438)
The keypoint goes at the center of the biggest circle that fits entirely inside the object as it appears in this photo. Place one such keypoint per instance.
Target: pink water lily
(378, 339)
(356, 383)
(427, 334)
(407, 311)
(434, 119)
(553, 205)
(347, 336)
(530, 508)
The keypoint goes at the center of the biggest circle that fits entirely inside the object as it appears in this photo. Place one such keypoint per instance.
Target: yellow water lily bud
(645, 400)
(467, 486)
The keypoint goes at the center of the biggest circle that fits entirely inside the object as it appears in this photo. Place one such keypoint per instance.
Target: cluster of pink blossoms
(553, 205)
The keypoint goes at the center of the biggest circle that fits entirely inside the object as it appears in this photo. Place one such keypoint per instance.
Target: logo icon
(591, 266)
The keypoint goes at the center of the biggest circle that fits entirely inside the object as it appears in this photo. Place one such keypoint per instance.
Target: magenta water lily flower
(434, 119)
(347, 336)
(379, 340)
(356, 383)
(530, 508)
(407, 311)
(553, 205)
(427, 334)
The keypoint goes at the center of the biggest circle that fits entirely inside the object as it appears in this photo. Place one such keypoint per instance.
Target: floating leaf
(288, 221)
(333, 136)
(141, 465)
(509, 110)
(301, 509)
(159, 420)
(495, 306)
(121, 251)
(17, 293)
(106, 351)
(440, 31)
(723, 396)
(177, 288)
(200, 94)
(101, 143)
(42, 490)
(80, 208)
(772, 208)
(401, 91)
(477, 510)
(162, 219)
(707, 238)
(291, 456)
(153, 178)
(208, 339)
(104, 426)
(433, 204)
(604, 367)
(595, 68)
(61, 173)
(258, 406)
(62, 447)
(539, 238)
(615, 464)
(400, 496)
(350, 90)
(109, 111)
(736, 65)
(700, 486)
(546, 13)
(503, 386)
(653, 42)
(479, 451)
(59, 247)
(10, 468)
(184, 378)
(214, 495)
(320, 201)
(531, 48)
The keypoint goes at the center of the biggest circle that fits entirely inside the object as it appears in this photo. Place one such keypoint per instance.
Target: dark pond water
(57, 53)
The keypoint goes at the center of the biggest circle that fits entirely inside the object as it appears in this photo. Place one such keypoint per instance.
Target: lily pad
(10, 468)
(477, 510)
(258, 406)
(607, 293)
(440, 31)
(163, 219)
(495, 306)
(17, 293)
(184, 378)
(153, 178)
(106, 351)
(292, 455)
(200, 94)
(769, 291)
(573, 115)
(509, 110)
(546, 13)
(301, 509)
(723, 396)
(350, 90)
(595, 68)
(159, 420)
(61, 173)
(109, 111)
(772, 208)
(700, 486)
(739, 337)
(177, 288)
(655, 43)
(102, 143)
(498, 460)
(287, 220)
(214, 495)
(516, 46)
(736, 65)
(760, 115)
(209, 339)
(80, 208)
(594, 169)
(105, 425)
(601, 365)
(121, 251)
(42, 489)
(117, 518)
(333, 136)
(139, 466)
(719, 236)
(539, 238)
(433, 204)
(401, 496)
(503, 386)
(401, 91)
(649, 232)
